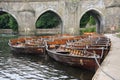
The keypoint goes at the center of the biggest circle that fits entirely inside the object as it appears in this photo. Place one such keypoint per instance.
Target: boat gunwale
(68, 55)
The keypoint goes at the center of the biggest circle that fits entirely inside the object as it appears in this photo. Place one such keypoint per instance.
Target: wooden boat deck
(110, 68)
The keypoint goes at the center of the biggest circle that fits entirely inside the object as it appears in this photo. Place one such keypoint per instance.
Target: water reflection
(34, 67)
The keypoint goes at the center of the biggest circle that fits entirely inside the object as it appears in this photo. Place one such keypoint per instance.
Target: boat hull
(28, 50)
(82, 62)
(27, 46)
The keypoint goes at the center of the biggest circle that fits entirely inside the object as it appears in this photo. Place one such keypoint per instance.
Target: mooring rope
(102, 69)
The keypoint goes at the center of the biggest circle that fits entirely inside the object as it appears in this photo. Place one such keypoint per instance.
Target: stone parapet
(48, 31)
(6, 31)
(26, 0)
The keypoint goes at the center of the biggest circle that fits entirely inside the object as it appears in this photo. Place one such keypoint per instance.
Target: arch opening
(49, 22)
(7, 21)
(92, 18)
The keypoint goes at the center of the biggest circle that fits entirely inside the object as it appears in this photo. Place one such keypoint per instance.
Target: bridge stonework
(26, 13)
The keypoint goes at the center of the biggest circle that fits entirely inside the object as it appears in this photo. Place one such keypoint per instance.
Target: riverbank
(110, 68)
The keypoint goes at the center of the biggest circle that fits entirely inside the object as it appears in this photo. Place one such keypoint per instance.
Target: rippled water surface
(34, 67)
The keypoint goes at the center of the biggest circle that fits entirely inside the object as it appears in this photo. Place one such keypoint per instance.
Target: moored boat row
(80, 51)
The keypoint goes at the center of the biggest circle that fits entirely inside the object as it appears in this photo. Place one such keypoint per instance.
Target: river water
(34, 67)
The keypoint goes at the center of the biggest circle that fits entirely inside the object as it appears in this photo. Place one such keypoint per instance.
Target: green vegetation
(48, 20)
(84, 20)
(87, 23)
(92, 21)
(7, 22)
(87, 19)
(118, 32)
(89, 29)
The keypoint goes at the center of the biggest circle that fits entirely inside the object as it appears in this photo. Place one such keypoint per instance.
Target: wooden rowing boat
(79, 58)
(99, 44)
(27, 46)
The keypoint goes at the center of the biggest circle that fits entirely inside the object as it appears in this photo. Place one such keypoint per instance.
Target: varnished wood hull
(88, 63)
(28, 50)
(19, 46)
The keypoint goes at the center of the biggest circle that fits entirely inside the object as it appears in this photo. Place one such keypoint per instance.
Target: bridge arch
(9, 12)
(99, 19)
(12, 21)
(56, 14)
(45, 10)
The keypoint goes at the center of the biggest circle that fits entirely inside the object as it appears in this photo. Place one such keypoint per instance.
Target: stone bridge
(27, 12)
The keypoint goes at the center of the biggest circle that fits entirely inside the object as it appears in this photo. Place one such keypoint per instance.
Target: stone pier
(110, 68)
